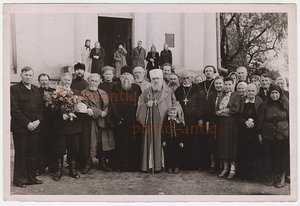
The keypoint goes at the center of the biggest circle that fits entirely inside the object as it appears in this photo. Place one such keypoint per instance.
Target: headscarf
(282, 101)
(284, 82)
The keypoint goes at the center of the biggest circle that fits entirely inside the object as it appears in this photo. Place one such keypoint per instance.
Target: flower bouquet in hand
(64, 101)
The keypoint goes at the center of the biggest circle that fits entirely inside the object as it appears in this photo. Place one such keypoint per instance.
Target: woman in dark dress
(97, 54)
(274, 135)
(227, 131)
(152, 59)
(249, 146)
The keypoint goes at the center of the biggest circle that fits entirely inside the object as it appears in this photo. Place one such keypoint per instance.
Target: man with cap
(139, 78)
(152, 108)
(189, 96)
(79, 82)
(127, 143)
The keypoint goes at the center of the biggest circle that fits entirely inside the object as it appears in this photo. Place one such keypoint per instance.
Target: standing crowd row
(151, 120)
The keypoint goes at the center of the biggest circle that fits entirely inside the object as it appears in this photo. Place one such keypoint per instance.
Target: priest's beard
(93, 88)
(126, 84)
(186, 84)
(79, 76)
(139, 80)
(173, 84)
(157, 86)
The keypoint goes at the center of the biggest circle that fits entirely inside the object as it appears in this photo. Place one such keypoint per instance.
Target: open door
(111, 33)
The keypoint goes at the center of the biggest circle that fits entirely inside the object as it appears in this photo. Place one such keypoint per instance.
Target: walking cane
(152, 137)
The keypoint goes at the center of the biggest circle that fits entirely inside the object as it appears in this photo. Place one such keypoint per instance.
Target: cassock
(127, 141)
(79, 84)
(190, 101)
(152, 118)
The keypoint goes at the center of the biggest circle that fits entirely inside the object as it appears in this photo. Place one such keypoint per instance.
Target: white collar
(248, 100)
(176, 119)
(27, 86)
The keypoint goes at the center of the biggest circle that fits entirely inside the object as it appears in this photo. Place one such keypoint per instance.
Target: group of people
(237, 124)
(93, 59)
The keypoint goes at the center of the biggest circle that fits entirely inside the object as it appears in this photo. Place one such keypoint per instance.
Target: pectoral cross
(155, 102)
(185, 101)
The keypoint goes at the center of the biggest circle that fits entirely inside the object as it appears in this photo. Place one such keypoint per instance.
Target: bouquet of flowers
(63, 100)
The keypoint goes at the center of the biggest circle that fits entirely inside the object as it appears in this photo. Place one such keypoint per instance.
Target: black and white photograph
(149, 102)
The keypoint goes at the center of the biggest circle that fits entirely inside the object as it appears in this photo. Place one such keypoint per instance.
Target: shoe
(176, 170)
(223, 173)
(212, 170)
(86, 169)
(35, 182)
(21, 185)
(58, 172)
(169, 170)
(280, 180)
(271, 182)
(103, 165)
(231, 174)
(72, 171)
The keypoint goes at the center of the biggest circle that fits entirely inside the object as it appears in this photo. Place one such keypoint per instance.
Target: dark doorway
(111, 33)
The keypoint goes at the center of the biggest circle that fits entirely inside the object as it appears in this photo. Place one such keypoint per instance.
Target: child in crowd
(172, 140)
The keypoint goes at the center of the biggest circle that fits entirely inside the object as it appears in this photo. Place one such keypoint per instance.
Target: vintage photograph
(149, 101)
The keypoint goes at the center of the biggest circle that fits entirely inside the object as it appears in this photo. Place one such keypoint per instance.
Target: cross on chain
(185, 101)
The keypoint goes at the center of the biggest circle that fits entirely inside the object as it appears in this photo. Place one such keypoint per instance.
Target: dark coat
(166, 131)
(26, 106)
(48, 115)
(208, 101)
(79, 85)
(262, 94)
(138, 59)
(156, 61)
(165, 57)
(97, 64)
(274, 121)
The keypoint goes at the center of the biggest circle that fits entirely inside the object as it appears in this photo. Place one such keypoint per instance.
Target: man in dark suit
(26, 116)
(266, 81)
(47, 138)
(165, 55)
(138, 56)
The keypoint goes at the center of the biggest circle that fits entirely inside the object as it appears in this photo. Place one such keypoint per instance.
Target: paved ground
(136, 183)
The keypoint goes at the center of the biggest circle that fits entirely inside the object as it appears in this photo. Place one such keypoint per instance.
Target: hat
(125, 69)
(79, 66)
(275, 87)
(154, 73)
(107, 68)
(138, 69)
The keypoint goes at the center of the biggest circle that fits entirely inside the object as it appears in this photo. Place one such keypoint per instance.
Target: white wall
(44, 42)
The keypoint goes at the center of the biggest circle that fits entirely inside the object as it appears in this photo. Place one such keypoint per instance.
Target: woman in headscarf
(120, 60)
(241, 88)
(85, 55)
(274, 136)
(97, 55)
(227, 130)
(152, 59)
(280, 81)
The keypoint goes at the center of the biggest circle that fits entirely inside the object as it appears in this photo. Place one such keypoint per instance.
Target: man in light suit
(138, 56)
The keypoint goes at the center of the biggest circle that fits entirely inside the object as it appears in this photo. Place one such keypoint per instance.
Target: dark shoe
(212, 170)
(176, 170)
(280, 180)
(35, 182)
(271, 182)
(72, 171)
(58, 172)
(86, 169)
(169, 170)
(103, 165)
(21, 185)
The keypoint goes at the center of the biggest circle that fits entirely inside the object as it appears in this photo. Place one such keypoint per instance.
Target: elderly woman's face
(275, 95)
(241, 90)
(198, 80)
(280, 83)
(251, 91)
(66, 81)
(108, 75)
